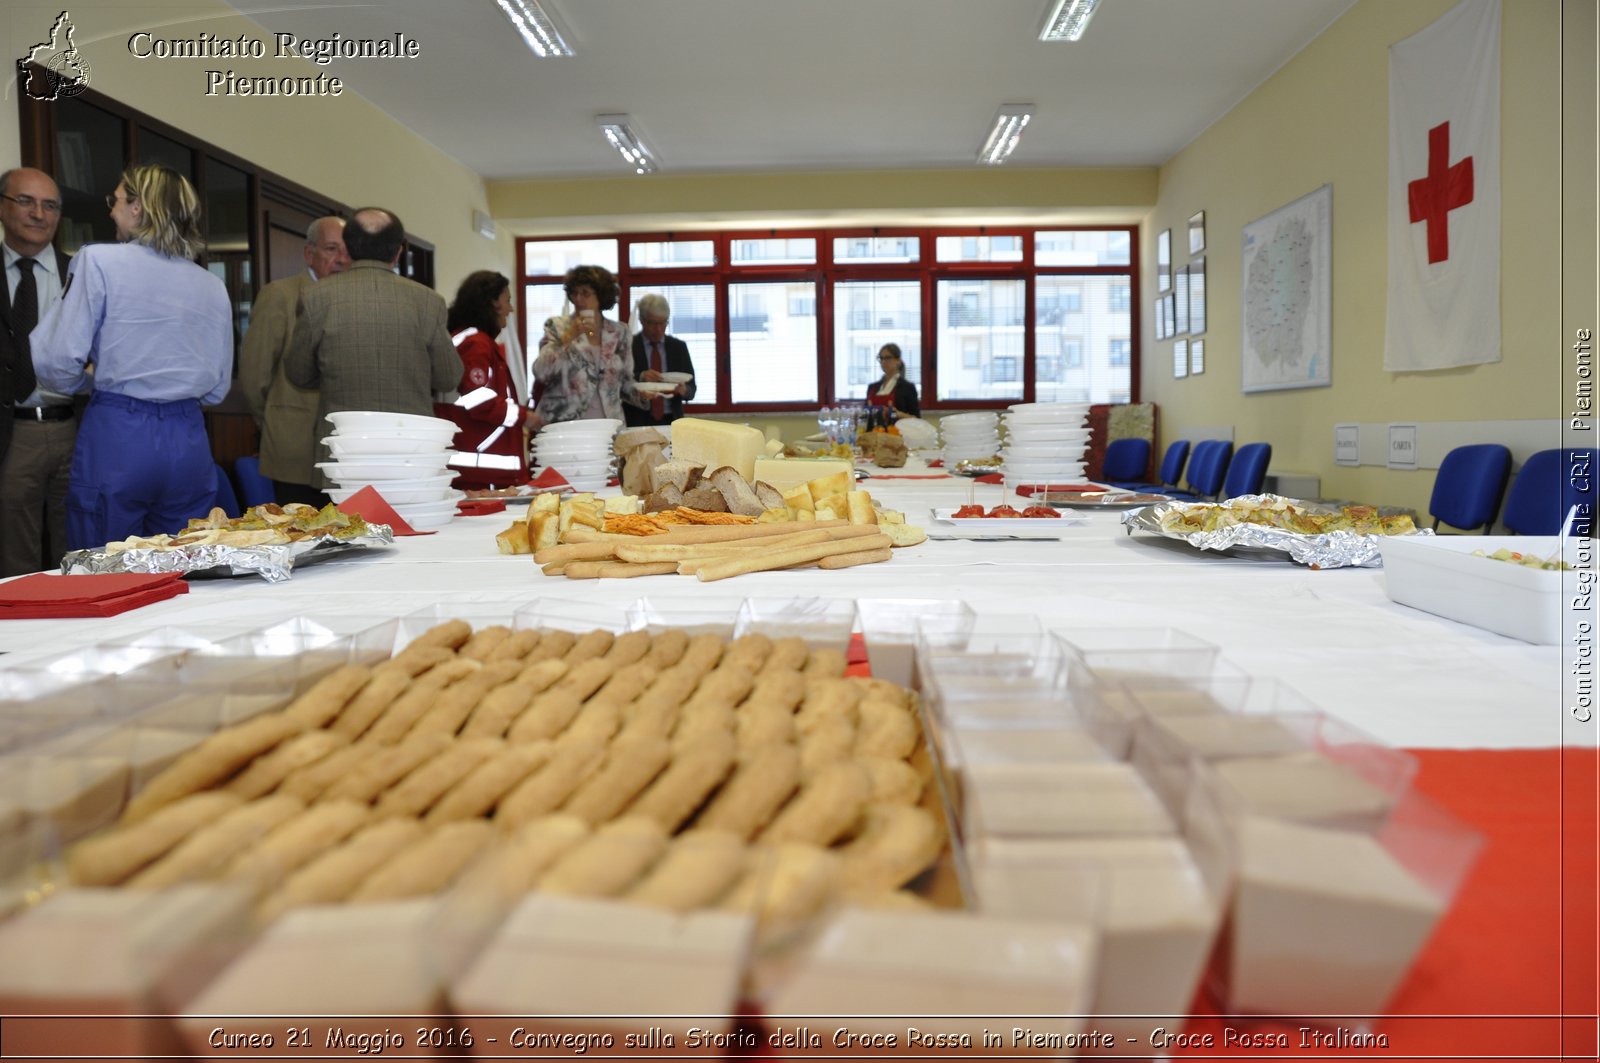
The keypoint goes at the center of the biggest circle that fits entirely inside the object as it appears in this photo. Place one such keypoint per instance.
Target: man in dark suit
(654, 353)
(370, 340)
(40, 426)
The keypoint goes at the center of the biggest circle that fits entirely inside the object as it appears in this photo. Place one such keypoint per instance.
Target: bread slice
(680, 473)
(663, 498)
(859, 503)
(770, 496)
(903, 534)
(706, 498)
(737, 492)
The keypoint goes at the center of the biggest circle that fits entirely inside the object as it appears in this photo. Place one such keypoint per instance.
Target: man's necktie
(658, 405)
(25, 303)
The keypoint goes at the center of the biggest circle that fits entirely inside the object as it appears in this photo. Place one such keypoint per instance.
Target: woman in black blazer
(893, 389)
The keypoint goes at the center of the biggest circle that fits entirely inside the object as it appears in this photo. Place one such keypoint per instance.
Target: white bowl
(1048, 452)
(575, 445)
(400, 492)
(598, 425)
(368, 423)
(970, 433)
(982, 417)
(1440, 574)
(371, 470)
(1048, 409)
(1042, 474)
(344, 446)
(428, 516)
(1029, 437)
(586, 469)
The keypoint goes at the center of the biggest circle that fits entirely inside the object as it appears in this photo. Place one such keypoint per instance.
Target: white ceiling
(797, 85)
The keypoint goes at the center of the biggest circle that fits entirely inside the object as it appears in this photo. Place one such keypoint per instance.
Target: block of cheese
(718, 443)
(784, 473)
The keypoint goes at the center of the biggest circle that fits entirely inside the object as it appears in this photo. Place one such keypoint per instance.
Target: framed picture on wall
(1164, 260)
(1197, 356)
(1180, 293)
(1197, 232)
(1180, 358)
(1197, 296)
(1286, 296)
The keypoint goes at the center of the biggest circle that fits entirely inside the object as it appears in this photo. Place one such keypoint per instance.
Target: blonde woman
(152, 332)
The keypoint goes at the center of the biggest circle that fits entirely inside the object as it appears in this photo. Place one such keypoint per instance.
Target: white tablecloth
(1406, 677)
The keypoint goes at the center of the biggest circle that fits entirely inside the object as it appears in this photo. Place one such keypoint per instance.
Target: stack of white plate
(400, 455)
(969, 435)
(579, 450)
(1045, 442)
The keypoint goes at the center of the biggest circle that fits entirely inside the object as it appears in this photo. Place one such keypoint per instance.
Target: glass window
(989, 315)
(694, 321)
(672, 254)
(552, 258)
(776, 252)
(867, 315)
(1120, 351)
(1075, 353)
(164, 151)
(540, 302)
(773, 350)
(1119, 296)
(978, 248)
(1096, 247)
(856, 250)
(227, 208)
(89, 159)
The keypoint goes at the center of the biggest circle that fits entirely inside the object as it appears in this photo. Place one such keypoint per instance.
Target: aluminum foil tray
(273, 563)
(1333, 549)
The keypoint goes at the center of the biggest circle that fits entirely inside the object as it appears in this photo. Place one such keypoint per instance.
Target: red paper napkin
(549, 480)
(44, 596)
(374, 509)
(480, 507)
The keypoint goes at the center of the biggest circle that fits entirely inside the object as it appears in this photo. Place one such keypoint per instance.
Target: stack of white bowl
(579, 450)
(969, 435)
(400, 455)
(1045, 442)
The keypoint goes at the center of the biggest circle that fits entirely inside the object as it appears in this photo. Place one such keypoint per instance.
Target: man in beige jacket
(284, 413)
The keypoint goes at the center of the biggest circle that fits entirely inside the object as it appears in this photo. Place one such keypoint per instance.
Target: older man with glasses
(655, 353)
(41, 424)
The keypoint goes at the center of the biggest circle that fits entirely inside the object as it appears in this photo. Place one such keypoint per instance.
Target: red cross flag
(1444, 192)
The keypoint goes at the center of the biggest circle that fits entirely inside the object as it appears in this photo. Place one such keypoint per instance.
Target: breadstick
(297, 841)
(785, 882)
(648, 549)
(418, 698)
(825, 808)
(461, 699)
(562, 553)
(698, 867)
(617, 569)
(759, 786)
(543, 792)
(451, 634)
(502, 705)
(327, 697)
(788, 655)
(893, 781)
(483, 642)
(859, 557)
(553, 645)
(824, 700)
(107, 859)
(374, 699)
(312, 781)
(337, 872)
(629, 648)
(476, 794)
(667, 648)
(897, 844)
(266, 772)
(210, 848)
(885, 729)
(416, 659)
(711, 533)
(825, 663)
(694, 772)
(427, 866)
(213, 760)
(629, 766)
(590, 644)
(415, 794)
(768, 560)
(511, 868)
(383, 766)
(829, 742)
(608, 861)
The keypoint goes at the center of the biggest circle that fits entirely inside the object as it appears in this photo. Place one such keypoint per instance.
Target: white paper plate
(677, 378)
(946, 516)
(344, 446)
(373, 469)
(656, 387)
(399, 493)
(367, 422)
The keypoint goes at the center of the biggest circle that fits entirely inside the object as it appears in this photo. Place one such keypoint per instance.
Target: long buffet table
(1485, 712)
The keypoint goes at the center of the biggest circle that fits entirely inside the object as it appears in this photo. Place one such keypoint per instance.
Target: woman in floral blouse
(585, 362)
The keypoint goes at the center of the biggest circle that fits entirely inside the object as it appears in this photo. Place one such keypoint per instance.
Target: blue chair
(256, 488)
(1125, 461)
(1207, 467)
(225, 499)
(1467, 489)
(1171, 471)
(1247, 471)
(1549, 484)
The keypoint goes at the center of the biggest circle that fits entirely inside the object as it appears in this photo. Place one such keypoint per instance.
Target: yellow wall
(1321, 119)
(343, 147)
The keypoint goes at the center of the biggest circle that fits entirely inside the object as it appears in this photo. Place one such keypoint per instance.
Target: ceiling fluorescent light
(1008, 125)
(620, 135)
(1067, 20)
(538, 29)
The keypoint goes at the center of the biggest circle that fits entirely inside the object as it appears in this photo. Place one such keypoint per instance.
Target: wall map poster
(1287, 291)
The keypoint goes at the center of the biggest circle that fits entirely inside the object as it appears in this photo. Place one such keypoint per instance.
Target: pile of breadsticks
(669, 770)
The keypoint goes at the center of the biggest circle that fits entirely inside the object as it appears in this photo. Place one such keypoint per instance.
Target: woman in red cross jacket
(490, 449)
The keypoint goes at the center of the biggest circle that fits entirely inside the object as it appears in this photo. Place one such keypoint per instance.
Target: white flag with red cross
(1444, 192)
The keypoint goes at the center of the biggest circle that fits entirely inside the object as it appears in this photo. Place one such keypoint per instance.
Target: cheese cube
(784, 473)
(718, 443)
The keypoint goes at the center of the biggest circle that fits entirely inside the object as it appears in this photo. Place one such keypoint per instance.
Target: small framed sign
(1180, 358)
(1197, 357)
(1164, 260)
(1197, 296)
(1197, 232)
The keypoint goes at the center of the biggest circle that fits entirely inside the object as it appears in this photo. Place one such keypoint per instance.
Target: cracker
(427, 866)
(787, 655)
(269, 770)
(895, 845)
(826, 663)
(383, 766)
(511, 868)
(686, 782)
(458, 701)
(502, 705)
(451, 635)
(547, 788)
(516, 648)
(825, 809)
(484, 641)
(477, 793)
(209, 849)
(758, 787)
(698, 867)
(297, 841)
(414, 794)
(335, 874)
(885, 729)
(553, 645)
(608, 861)
(629, 767)
(327, 697)
(785, 882)
(667, 648)
(590, 644)
(109, 858)
(387, 683)
(212, 761)
(416, 700)
(893, 781)
(628, 647)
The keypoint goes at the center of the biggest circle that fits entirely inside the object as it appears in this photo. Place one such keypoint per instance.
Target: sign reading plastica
(1347, 444)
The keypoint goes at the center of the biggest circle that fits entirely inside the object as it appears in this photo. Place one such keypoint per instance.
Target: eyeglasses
(111, 200)
(49, 206)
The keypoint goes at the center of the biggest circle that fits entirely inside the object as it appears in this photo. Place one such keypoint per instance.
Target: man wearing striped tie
(655, 353)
